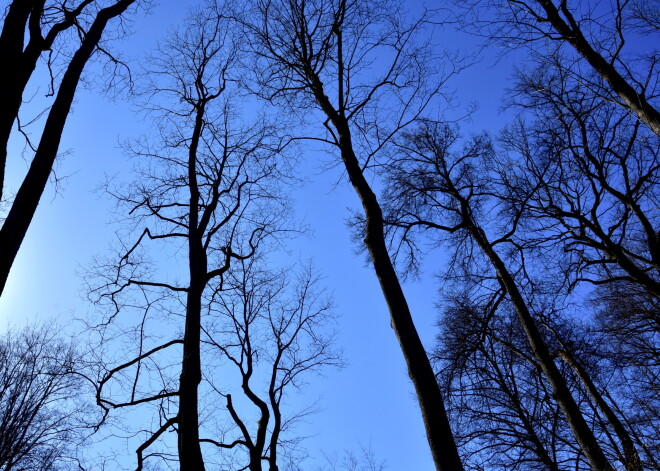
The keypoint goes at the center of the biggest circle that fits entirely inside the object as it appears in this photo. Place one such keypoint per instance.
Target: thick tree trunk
(190, 452)
(12, 40)
(27, 198)
(255, 462)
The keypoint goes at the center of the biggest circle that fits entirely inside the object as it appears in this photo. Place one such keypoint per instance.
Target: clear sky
(371, 401)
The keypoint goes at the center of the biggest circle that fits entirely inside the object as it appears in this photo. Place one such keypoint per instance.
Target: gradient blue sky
(371, 401)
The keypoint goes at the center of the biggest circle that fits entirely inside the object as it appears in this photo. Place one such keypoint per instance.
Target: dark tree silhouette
(434, 188)
(40, 424)
(608, 47)
(497, 395)
(31, 29)
(365, 69)
(588, 178)
(208, 189)
(504, 408)
(583, 173)
(626, 330)
(274, 330)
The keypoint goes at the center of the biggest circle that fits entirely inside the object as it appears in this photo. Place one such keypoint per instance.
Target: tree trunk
(438, 431)
(255, 462)
(275, 436)
(632, 460)
(27, 198)
(581, 431)
(12, 40)
(190, 452)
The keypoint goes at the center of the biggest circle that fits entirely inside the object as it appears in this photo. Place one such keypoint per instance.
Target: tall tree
(208, 189)
(31, 29)
(363, 66)
(433, 188)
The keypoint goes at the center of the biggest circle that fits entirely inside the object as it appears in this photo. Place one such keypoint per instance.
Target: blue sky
(371, 401)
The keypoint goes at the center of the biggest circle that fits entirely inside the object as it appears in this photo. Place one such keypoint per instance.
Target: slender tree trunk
(581, 431)
(624, 261)
(277, 414)
(257, 450)
(438, 431)
(632, 460)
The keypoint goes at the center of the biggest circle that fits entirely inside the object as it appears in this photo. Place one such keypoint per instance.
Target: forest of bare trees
(203, 334)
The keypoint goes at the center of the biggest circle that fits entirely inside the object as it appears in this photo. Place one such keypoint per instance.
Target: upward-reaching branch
(320, 54)
(205, 186)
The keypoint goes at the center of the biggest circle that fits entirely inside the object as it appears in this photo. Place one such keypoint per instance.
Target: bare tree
(609, 47)
(40, 424)
(208, 191)
(590, 179)
(365, 69)
(584, 178)
(31, 31)
(626, 335)
(433, 188)
(364, 460)
(497, 395)
(274, 330)
(587, 186)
